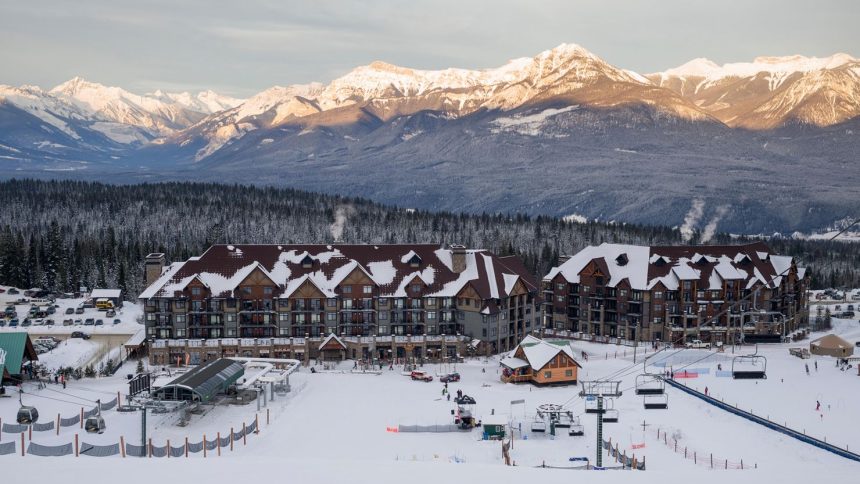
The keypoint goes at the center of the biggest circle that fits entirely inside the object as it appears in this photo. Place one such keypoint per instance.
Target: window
(180, 318)
(686, 284)
(622, 292)
(585, 288)
(700, 294)
(246, 289)
(598, 280)
(300, 319)
(703, 307)
(368, 289)
(547, 374)
(431, 315)
(559, 298)
(416, 288)
(283, 331)
(346, 289)
(331, 302)
(180, 304)
(180, 333)
(658, 295)
(383, 316)
(560, 286)
(383, 330)
(196, 291)
(330, 317)
(658, 308)
(231, 303)
(568, 373)
(230, 318)
(284, 317)
(267, 290)
(431, 301)
(346, 304)
(150, 316)
(715, 294)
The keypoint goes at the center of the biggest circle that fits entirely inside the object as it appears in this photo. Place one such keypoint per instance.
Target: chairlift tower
(598, 390)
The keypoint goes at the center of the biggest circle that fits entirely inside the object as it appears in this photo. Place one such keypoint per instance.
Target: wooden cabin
(541, 362)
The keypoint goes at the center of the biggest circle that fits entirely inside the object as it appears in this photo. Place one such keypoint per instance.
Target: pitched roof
(644, 267)
(106, 293)
(13, 348)
(831, 341)
(332, 337)
(538, 353)
(223, 267)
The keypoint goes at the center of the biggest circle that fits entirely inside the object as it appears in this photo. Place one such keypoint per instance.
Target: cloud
(710, 229)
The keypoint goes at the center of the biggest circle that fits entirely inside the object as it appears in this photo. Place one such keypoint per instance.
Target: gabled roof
(223, 267)
(13, 348)
(709, 265)
(332, 338)
(106, 293)
(538, 353)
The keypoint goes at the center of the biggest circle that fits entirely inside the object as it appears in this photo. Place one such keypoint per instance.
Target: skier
(816, 365)
(807, 368)
(706, 391)
(817, 405)
(449, 397)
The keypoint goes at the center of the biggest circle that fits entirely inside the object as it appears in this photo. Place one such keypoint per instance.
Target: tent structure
(15, 349)
(203, 382)
(831, 345)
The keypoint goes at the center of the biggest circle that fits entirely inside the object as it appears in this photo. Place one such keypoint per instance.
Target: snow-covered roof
(646, 267)
(329, 338)
(537, 353)
(223, 267)
(106, 293)
(514, 363)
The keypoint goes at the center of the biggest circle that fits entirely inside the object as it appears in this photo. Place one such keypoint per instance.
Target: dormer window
(745, 260)
(622, 260)
(702, 260)
(660, 262)
(307, 262)
(415, 261)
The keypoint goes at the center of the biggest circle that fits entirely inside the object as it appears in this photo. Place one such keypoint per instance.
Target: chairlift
(27, 415)
(95, 424)
(610, 413)
(650, 384)
(749, 367)
(538, 425)
(576, 428)
(654, 402)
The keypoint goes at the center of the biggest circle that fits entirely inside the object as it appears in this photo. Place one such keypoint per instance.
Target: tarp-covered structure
(831, 345)
(15, 349)
(202, 383)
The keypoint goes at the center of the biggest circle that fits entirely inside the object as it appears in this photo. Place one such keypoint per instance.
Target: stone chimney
(155, 263)
(458, 258)
(562, 259)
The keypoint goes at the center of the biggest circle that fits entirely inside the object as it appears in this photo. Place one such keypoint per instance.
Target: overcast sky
(241, 47)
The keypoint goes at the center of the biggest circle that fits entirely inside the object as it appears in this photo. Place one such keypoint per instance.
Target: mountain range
(755, 147)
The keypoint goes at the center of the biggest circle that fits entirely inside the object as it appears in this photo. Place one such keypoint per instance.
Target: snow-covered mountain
(771, 91)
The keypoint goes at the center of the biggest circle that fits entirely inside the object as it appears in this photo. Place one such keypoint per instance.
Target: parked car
(79, 310)
(67, 322)
(421, 375)
(2, 323)
(13, 323)
(80, 334)
(850, 307)
(847, 315)
(39, 322)
(99, 322)
(70, 310)
(49, 322)
(12, 290)
(26, 322)
(89, 322)
(110, 313)
(697, 343)
(116, 321)
(78, 322)
(450, 377)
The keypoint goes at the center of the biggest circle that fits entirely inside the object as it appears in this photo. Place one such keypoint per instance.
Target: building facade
(676, 294)
(287, 298)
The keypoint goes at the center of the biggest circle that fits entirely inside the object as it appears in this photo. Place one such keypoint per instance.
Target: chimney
(155, 263)
(458, 258)
(562, 259)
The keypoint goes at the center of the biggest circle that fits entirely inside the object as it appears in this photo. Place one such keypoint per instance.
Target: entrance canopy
(203, 382)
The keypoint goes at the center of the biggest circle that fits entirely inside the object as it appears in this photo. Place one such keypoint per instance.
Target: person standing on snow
(817, 405)
(807, 368)
(816, 365)
(706, 391)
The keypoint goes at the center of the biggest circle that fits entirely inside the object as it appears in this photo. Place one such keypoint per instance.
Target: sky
(242, 47)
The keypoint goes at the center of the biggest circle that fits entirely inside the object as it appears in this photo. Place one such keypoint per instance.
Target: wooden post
(149, 447)
(186, 447)
(122, 445)
(30, 432)
(267, 416)
(22, 444)
(77, 448)
(117, 399)
(168, 448)
(82, 417)
(58, 424)
(204, 446)
(231, 439)
(712, 461)
(244, 434)
(257, 422)
(218, 447)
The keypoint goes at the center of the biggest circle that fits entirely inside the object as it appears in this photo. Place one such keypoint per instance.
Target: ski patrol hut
(831, 345)
(15, 350)
(541, 362)
(494, 426)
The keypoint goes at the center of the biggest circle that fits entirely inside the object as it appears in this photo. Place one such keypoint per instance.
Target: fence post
(30, 433)
(231, 439)
(685, 452)
(77, 448)
(82, 417)
(244, 434)
(712, 461)
(118, 401)
(694, 458)
(219, 444)
(727, 463)
(257, 422)
(58, 424)
(267, 416)
(742, 464)
(168, 448)
(186, 447)
(122, 445)
(22, 444)
(204, 446)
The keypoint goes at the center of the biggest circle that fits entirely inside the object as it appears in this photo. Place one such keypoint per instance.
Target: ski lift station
(202, 383)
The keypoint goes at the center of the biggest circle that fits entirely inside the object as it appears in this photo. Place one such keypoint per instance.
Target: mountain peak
(74, 86)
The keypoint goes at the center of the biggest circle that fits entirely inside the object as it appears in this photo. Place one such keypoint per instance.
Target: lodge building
(380, 301)
(676, 293)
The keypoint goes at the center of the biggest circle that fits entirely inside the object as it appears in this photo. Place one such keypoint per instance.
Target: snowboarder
(449, 397)
(807, 368)
(719, 367)
(706, 391)
(817, 405)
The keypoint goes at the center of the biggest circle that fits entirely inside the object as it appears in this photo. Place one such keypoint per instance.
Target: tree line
(61, 235)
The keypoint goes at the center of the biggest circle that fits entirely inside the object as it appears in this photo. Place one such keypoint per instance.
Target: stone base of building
(368, 349)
